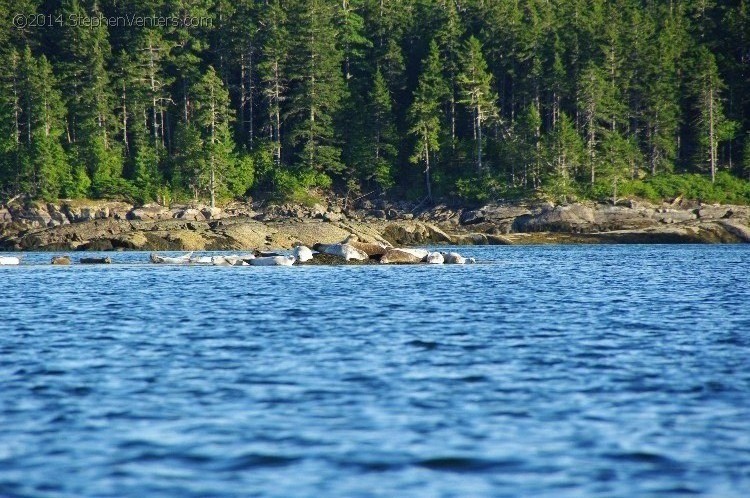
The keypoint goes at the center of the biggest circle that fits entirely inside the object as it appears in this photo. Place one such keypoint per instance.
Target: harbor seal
(346, 251)
(95, 261)
(399, 256)
(228, 261)
(303, 254)
(61, 260)
(369, 248)
(435, 258)
(273, 261)
(417, 253)
(179, 260)
(453, 258)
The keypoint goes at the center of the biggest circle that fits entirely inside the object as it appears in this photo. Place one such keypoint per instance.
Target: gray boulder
(571, 218)
(149, 212)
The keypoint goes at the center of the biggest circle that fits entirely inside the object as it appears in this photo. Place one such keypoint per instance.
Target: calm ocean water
(558, 371)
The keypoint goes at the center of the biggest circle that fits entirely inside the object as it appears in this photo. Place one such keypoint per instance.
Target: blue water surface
(544, 371)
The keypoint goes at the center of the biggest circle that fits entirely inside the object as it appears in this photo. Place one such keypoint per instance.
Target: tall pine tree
(316, 87)
(425, 114)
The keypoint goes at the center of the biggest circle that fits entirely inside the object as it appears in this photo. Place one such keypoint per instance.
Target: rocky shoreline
(106, 226)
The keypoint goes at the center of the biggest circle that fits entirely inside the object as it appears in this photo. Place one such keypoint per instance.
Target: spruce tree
(244, 31)
(48, 167)
(10, 117)
(85, 82)
(528, 148)
(381, 138)
(593, 105)
(564, 153)
(316, 87)
(449, 40)
(477, 94)
(661, 112)
(272, 68)
(425, 116)
(212, 118)
(712, 124)
(620, 156)
(351, 39)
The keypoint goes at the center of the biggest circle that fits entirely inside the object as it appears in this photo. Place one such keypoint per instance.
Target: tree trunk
(125, 121)
(614, 191)
(712, 135)
(453, 119)
(243, 93)
(277, 109)
(212, 185)
(427, 166)
(479, 143)
(154, 102)
(213, 182)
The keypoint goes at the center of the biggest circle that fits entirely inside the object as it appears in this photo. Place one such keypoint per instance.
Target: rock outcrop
(106, 225)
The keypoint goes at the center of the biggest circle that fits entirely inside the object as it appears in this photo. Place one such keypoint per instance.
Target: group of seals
(350, 249)
(262, 259)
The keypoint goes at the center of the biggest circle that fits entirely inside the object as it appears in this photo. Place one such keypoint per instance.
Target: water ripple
(545, 371)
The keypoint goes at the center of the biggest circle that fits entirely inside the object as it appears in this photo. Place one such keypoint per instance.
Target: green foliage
(375, 149)
(216, 171)
(79, 185)
(564, 156)
(296, 188)
(489, 98)
(488, 188)
(425, 117)
(726, 189)
(240, 176)
(147, 177)
(316, 86)
(619, 160)
(476, 93)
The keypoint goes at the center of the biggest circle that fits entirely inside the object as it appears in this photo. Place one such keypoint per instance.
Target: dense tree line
(408, 98)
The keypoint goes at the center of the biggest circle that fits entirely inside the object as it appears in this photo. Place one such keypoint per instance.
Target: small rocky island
(106, 226)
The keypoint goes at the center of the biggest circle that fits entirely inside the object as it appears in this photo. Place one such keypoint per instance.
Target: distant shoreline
(111, 226)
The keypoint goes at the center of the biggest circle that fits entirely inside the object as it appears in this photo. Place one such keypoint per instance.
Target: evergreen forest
(426, 100)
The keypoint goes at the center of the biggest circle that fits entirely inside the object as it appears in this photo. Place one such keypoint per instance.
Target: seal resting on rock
(95, 261)
(201, 260)
(228, 261)
(179, 260)
(453, 258)
(371, 249)
(345, 251)
(435, 258)
(303, 254)
(399, 256)
(417, 253)
(273, 261)
(61, 260)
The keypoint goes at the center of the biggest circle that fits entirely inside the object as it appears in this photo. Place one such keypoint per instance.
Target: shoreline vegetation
(110, 226)
(430, 101)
